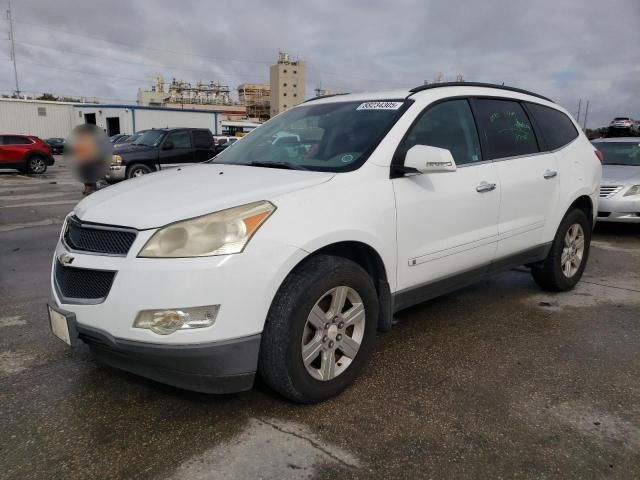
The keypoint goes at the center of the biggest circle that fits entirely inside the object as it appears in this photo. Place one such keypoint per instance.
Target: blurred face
(88, 144)
(85, 148)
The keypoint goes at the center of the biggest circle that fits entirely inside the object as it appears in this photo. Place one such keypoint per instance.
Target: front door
(528, 178)
(446, 222)
(177, 148)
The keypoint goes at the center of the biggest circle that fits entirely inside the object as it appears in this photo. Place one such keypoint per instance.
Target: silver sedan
(620, 186)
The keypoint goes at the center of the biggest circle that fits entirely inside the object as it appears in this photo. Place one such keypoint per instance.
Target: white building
(56, 119)
(36, 117)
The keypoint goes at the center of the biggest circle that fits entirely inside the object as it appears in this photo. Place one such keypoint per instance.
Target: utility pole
(586, 114)
(579, 106)
(13, 48)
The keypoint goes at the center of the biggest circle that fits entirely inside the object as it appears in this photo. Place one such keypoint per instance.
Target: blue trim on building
(145, 107)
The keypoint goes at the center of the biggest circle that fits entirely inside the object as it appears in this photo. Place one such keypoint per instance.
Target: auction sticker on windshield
(379, 106)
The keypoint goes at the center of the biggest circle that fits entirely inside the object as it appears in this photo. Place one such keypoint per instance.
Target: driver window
(447, 125)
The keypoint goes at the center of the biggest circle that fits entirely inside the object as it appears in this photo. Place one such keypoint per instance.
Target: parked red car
(26, 153)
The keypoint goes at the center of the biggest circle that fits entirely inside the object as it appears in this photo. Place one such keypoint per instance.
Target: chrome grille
(87, 237)
(82, 285)
(607, 191)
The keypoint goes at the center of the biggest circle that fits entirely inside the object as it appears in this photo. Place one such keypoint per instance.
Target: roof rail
(320, 97)
(420, 88)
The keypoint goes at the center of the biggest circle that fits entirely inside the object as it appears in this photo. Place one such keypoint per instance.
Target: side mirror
(168, 145)
(426, 159)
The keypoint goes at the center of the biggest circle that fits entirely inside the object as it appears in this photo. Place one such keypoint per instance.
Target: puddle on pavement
(12, 321)
(616, 247)
(584, 295)
(14, 362)
(267, 449)
(602, 427)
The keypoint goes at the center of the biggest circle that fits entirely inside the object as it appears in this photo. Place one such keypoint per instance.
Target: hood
(618, 174)
(128, 148)
(164, 197)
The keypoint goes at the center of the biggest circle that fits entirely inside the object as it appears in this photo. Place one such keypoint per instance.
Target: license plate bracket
(63, 325)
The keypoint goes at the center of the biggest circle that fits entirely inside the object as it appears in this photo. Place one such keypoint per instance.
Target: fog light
(165, 322)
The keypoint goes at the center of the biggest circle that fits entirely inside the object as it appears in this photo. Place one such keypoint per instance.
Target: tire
(138, 169)
(36, 164)
(317, 284)
(553, 274)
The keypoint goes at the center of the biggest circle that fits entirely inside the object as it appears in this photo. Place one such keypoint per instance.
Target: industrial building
(47, 119)
(288, 83)
(256, 98)
(183, 95)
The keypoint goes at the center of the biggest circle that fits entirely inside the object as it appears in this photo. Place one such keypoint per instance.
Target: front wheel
(138, 170)
(320, 330)
(567, 259)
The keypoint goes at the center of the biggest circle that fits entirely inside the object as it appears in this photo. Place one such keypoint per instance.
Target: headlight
(219, 233)
(635, 190)
(116, 160)
(165, 322)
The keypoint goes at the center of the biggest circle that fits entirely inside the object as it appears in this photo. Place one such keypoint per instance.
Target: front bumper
(50, 160)
(619, 209)
(242, 284)
(217, 367)
(116, 173)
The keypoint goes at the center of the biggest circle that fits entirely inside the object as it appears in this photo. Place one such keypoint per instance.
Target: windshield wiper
(284, 165)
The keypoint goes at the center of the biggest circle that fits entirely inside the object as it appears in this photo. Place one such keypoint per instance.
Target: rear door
(446, 222)
(177, 148)
(528, 177)
(14, 148)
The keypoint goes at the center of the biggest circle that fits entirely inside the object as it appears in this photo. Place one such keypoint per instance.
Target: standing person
(90, 153)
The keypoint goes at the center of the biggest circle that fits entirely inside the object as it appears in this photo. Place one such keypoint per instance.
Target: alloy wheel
(37, 165)
(333, 333)
(573, 250)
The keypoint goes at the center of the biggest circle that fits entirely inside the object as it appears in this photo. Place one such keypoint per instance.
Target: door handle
(485, 187)
(549, 174)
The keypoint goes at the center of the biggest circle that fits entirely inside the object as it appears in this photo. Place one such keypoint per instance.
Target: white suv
(284, 258)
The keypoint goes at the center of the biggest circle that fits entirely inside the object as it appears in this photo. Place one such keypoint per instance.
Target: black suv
(159, 147)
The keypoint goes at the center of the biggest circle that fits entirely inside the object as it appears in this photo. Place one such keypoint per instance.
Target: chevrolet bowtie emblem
(65, 259)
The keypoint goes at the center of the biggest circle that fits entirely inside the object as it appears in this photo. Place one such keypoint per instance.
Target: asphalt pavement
(499, 380)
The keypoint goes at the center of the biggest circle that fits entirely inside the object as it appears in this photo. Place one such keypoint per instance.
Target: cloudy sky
(566, 50)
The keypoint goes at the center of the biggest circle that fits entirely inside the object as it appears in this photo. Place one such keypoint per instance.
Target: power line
(135, 45)
(84, 72)
(151, 65)
(210, 57)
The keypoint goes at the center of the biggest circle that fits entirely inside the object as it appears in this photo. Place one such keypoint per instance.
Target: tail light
(600, 155)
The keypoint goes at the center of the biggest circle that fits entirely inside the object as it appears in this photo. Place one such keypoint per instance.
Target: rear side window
(16, 140)
(555, 127)
(180, 139)
(505, 128)
(202, 139)
(447, 125)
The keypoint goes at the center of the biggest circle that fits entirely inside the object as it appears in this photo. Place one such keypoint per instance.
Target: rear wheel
(138, 170)
(320, 330)
(563, 267)
(36, 164)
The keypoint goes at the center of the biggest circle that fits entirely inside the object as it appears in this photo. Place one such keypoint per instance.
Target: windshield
(620, 153)
(334, 137)
(152, 138)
